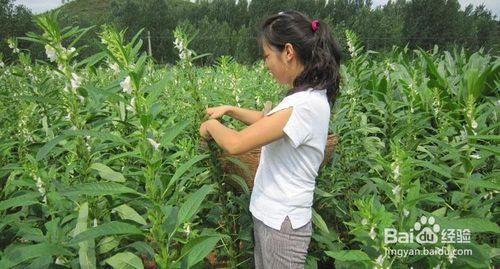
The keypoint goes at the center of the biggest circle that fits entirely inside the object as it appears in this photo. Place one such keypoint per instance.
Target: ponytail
(317, 50)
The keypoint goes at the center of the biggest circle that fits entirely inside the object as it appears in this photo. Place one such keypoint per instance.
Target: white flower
(490, 195)
(16, 50)
(60, 261)
(380, 260)
(185, 54)
(396, 172)
(51, 53)
(451, 256)
(474, 124)
(126, 85)
(115, 67)
(80, 98)
(406, 213)
(131, 107)
(2, 64)
(95, 223)
(179, 45)
(364, 221)
(475, 156)
(76, 81)
(351, 48)
(61, 68)
(372, 233)
(187, 229)
(41, 189)
(396, 190)
(154, 143)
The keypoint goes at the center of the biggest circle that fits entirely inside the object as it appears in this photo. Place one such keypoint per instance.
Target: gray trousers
(286, 248)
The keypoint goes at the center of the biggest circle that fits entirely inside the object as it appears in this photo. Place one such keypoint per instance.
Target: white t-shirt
(285, 179)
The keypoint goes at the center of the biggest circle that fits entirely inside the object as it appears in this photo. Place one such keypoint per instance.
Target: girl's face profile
(275, 62)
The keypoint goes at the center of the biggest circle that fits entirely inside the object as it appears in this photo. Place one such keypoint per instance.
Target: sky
(493, 5)
(38, 6)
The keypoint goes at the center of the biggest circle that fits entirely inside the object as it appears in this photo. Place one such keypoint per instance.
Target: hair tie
(314, 25)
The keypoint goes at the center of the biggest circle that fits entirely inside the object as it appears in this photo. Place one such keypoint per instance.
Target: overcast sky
(38, 6)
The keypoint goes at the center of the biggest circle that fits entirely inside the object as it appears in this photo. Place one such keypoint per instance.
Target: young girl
(303, 55)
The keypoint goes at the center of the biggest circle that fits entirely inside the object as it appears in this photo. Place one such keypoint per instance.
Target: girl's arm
(246, 116)
(262, 132)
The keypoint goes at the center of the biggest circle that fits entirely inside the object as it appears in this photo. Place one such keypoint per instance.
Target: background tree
(15, 21)
(230, 27)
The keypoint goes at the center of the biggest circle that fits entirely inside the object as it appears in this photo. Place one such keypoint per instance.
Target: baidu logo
(427, 231)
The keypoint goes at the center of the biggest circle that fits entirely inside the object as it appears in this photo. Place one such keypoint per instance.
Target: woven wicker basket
(245, 165)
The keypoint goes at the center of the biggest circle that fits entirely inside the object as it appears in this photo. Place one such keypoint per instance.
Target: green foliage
(101, 164)
(229, 27)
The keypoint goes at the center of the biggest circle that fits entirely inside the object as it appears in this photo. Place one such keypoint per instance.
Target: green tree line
(229, 27)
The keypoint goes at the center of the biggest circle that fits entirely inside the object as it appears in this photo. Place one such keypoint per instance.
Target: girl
(303, 55)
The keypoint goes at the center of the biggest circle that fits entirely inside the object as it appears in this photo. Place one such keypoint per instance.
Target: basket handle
(268, 105)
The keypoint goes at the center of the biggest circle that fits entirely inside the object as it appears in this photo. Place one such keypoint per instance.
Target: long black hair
(317, 50)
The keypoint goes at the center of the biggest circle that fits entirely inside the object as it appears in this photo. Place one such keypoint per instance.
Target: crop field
(102, 166)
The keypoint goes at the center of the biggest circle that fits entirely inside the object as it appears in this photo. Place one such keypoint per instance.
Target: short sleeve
(298, 127)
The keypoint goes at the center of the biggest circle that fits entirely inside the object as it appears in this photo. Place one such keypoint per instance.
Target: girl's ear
(289, 52)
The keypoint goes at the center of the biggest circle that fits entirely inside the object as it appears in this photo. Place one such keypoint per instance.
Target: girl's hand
(204, 132)
(217, 112)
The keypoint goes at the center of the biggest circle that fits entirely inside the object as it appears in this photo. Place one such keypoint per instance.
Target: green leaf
(173, 132)
(43, 151)
(21, 200)
(475, 225)
(441, 169)
(477, 183)
(484, 137)
(86, 253)
(106, 229)
(125, 260)
(480, 257)
(196, 250)
(319, 222)
(183, 169)
(143, 248)
(16, 254)
(240, 182)
(311, 262)
(348, 255)
(126, 212)
(106, 136)
(107, 244)
(192, 204)
(97, 189)
(107, 173)
(170, 223)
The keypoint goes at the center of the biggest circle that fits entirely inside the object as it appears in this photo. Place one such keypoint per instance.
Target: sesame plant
(101, 164)
(418, 139)
(104, 182)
